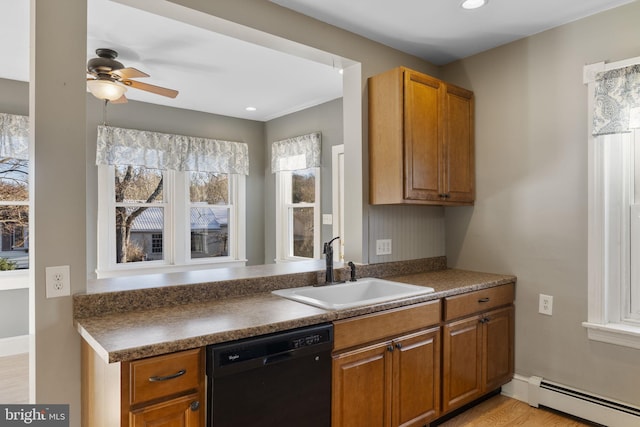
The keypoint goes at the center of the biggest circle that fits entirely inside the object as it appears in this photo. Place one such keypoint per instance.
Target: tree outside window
(138, 191)
(209, 212)
(14, 213)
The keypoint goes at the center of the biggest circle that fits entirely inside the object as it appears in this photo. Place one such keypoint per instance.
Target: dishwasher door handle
(277, 358)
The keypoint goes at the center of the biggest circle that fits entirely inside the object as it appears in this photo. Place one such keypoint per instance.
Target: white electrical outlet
(546, 305)
(383, 247)
(57, 280)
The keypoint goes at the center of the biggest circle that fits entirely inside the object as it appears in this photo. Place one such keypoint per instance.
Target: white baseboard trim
(518, 388)
(14, 345)
(537, 391)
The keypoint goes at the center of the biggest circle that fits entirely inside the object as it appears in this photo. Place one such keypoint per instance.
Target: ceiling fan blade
(129, 73)
(151, 88)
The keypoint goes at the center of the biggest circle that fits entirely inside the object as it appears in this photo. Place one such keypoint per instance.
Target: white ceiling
(441, 31)
(216, 72)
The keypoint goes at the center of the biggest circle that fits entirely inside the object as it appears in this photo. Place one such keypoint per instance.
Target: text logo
(34, 415)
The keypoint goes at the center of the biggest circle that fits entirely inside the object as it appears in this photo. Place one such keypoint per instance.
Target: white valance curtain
(300, 152)
(118, 146)
(617, 101)
(14, 136)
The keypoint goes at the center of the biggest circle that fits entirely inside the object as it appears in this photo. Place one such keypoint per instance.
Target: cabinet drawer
(377, 326)
(166, 375)
(477, 301)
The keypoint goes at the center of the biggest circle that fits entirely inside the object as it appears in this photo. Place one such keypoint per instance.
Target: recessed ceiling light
(251, 108)
(473, 4)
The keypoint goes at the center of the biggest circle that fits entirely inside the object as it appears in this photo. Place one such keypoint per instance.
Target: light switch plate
(383, 247)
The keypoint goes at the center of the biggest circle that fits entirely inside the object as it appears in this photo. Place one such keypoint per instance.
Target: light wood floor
(14, 379)
(504, 411)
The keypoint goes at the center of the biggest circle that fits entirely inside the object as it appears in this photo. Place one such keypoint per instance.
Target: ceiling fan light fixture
(106, 89)
(473, 4)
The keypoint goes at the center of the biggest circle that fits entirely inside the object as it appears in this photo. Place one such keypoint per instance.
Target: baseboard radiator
(581, 404)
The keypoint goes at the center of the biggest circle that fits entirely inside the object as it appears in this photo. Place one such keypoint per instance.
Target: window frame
(608, 260)
(176, 233)
(284, 226)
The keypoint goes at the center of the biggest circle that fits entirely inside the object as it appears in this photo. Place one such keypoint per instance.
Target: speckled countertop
(124, 325)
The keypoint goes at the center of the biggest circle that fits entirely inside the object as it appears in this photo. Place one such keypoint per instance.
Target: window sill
(164, 269)
(614, 333)
(14, 280)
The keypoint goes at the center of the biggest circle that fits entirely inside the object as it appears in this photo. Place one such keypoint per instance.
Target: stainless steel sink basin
(352, 294)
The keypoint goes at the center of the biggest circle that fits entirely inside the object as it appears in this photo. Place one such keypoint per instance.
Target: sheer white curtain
(14, 136)
(300, 152)
(119, 146)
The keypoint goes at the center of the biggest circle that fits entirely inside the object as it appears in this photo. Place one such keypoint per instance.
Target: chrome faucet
(328, 255)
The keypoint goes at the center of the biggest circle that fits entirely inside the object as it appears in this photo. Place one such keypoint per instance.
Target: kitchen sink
(364, 291)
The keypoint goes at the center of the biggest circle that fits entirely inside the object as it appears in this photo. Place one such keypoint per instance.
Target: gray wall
(326, 118)
(14, 313)
(530, 217)
(15, 97)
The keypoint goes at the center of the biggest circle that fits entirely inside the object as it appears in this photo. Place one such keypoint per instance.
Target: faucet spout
(328, 252)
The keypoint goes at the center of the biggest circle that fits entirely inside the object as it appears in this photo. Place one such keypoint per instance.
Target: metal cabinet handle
(389, 347)
(485, 299)
(180, 373)
(399, 345)
(485, 320)
(195, 406)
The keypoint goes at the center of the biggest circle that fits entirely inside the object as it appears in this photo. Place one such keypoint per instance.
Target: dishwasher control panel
(307, 340)
(268, 345)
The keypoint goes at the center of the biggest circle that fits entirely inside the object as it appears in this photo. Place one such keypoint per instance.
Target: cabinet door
(422, 126)
(416, 375)
(362, 387)
(185, 411)
(458, 179)
(498, 348)
(462, 362)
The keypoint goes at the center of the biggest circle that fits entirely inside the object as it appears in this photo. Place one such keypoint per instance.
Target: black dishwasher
(281, 379)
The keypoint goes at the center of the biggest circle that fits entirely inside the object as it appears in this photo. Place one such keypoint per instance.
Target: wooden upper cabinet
(421, 145)
(458, 153)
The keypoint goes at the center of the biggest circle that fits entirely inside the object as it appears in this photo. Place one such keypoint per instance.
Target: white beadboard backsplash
(415, 231)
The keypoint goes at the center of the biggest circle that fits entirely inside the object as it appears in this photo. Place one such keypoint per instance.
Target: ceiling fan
(108, 79)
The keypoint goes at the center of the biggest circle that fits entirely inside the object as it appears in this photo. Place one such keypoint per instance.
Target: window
(210, 210)
(295, 162)
(152, 218)
(298, 213)
(614, 203)
(14, 201)
(14, 214)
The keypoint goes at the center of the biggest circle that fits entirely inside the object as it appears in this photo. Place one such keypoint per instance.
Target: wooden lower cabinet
(477, 356)
(160, 391)
(389, 384)
(362, 388)
(416, 379)
(180, 412)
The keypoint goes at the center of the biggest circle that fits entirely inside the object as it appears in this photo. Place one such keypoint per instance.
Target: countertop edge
(486, 280)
